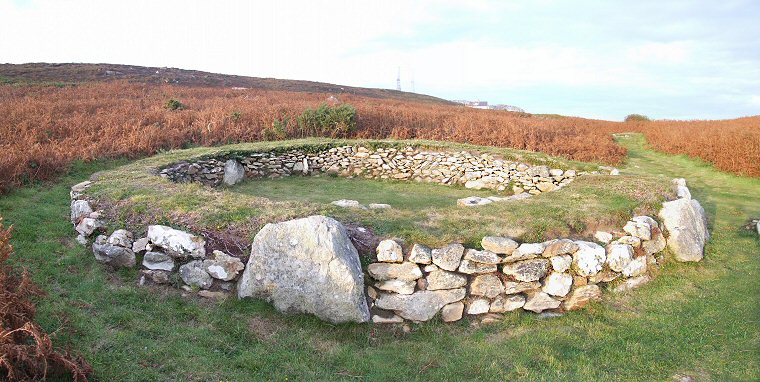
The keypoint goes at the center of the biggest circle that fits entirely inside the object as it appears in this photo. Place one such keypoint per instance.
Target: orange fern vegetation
(26, 351)
(730, 145)
(44, 128)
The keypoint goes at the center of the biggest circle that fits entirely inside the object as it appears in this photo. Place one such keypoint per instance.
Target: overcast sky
(599, 59)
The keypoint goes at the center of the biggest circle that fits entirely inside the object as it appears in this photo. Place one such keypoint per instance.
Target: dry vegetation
(44, 128)
(26, 351)
(731, 145)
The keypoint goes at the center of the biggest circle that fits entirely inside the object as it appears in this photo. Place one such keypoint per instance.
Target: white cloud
(675, 52)
(602, 53)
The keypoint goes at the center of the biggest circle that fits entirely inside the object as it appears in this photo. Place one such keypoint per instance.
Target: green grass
(423, 213)
(699, 319)
(325, 189)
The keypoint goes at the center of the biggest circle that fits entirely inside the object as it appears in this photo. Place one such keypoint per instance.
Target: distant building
(507, 108)
(484, 105)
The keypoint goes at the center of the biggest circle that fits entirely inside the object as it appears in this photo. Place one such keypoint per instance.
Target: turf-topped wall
(309, 265)
(477, 171)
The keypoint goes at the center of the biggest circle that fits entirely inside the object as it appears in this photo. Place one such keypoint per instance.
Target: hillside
(75, 72)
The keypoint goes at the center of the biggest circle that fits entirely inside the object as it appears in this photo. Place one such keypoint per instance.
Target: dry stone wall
(484, 171)
(308, 265)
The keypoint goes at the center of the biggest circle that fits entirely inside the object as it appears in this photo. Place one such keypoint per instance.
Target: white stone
(638, 229)
(421, 254)
(581, 296)
(633, 241)
(539, 301)
(526, 251)
(636, 267)
(347, 203)
(141, 245)
(475, 184)
(121, 237)
(421, 305)
(223, 267)
(483, 257)
(646, 219)
(558, 284)
(158, 261)
(499, 245)
(389, 251)
(452, 312)
(79, 209)
(488, 285)
(440, 279)
(406, 271)
(603, 237)
(512, 287)
(397, 286)
(478, 306)
(470, 267)
(379, 206)
(113, 255)
(449, 257)
(504, 303)
(527, 270)
(619, 256)
(559, 247)
(81, 240)
(589, 258)
(177, 243)
(194, 275)
(682, 191)
(561, 263)
(87, 226)
(430, 268)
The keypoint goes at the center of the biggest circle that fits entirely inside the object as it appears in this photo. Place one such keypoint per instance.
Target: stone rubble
(471, 170)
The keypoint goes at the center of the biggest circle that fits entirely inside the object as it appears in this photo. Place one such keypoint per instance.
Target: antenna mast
(398, 79)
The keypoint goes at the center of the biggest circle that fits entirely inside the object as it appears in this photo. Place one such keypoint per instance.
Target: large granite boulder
(307, 265)
(686, 225)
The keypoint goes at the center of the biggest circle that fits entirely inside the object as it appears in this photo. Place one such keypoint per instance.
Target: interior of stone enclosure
(407, 278)
(132, 192)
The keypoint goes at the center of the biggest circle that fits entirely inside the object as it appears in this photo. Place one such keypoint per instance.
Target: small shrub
(278, 130)
(332, 121)
(636, 118)
(235, 116)
(174, 104)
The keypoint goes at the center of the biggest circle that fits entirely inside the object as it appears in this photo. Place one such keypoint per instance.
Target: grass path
(699, 319)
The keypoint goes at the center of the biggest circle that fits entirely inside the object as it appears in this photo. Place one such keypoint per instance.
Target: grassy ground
(697, 319)
(423, 213)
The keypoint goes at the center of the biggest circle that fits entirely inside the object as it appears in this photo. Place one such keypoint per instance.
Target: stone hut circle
(310, 265)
